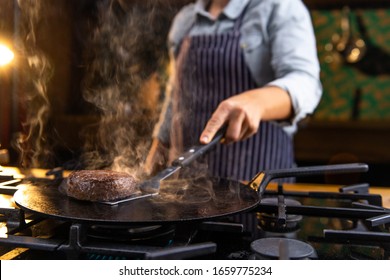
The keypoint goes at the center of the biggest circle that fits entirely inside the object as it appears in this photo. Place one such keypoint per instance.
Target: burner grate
(348, 223)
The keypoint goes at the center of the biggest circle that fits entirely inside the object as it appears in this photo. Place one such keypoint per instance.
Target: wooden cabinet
(320, 142)
(324, 141)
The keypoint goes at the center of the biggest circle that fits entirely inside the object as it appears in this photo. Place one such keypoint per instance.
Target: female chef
(251, 65)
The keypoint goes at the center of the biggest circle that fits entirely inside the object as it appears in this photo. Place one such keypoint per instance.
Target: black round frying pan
(178, 201)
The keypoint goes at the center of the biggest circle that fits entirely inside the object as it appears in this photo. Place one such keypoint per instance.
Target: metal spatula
(151, 186)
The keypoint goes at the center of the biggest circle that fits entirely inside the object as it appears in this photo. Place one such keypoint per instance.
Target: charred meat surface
(100, 185)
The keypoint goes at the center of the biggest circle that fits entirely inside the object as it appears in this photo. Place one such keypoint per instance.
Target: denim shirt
(278, 42)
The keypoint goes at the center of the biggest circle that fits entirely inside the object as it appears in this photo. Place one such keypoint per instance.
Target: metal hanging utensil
(350, 46)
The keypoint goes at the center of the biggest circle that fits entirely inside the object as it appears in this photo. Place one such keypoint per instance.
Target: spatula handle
(195, 152)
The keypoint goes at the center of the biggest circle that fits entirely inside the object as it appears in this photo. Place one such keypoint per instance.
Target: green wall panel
(367, 82)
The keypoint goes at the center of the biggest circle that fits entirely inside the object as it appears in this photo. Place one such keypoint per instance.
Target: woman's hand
(244, 112)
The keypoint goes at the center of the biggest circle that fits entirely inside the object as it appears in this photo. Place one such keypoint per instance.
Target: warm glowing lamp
(6, 55)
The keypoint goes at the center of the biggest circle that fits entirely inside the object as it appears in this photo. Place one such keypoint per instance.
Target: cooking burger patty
(100, 185)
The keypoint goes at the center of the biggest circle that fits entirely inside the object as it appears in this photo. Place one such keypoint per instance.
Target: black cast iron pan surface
(178, 201)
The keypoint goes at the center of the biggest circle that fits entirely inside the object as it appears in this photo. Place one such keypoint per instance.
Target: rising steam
(124, 82)
(125, 57)
(33, 143)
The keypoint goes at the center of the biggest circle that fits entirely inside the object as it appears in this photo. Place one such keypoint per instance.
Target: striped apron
(211, 68)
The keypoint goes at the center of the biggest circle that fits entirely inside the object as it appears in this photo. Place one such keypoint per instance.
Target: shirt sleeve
(294, 56)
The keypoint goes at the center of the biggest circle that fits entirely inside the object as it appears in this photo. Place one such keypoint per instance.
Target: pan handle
(195, 152)
(262, 179)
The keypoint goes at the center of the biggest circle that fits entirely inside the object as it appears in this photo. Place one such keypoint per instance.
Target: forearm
(273, 102)
(244, 112)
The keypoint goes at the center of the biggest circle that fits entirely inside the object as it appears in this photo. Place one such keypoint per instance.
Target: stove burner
(346, 224)
(282, 248)
(270, 221)
(153, 234)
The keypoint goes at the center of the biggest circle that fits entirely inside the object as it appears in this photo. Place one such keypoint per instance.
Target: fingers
(240, 125)
(235, 128)
(242, 113)
(239, 128)
(249, 129)
(217, 120)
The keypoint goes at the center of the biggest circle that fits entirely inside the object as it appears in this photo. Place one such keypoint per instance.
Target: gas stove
(347, 222)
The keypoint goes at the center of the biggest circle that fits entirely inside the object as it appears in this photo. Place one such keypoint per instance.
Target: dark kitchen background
(74, 58)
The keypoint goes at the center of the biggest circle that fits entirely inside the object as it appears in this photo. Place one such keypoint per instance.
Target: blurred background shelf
(321, 142)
